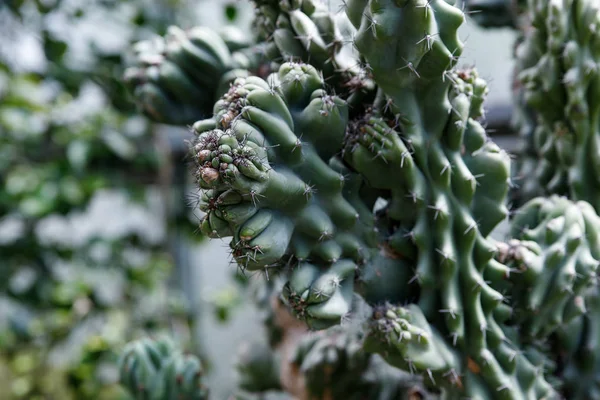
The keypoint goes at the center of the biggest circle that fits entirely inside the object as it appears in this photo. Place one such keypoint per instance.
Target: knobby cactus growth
(358, 175)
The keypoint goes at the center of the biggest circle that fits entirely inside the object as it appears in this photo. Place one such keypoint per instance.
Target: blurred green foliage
(84, 261)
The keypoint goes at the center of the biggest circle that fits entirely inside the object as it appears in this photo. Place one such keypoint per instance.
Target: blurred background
(98, 224)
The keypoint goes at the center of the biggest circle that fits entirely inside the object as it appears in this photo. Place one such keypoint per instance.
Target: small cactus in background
(155, 369)
(558, 75)
(358, 180)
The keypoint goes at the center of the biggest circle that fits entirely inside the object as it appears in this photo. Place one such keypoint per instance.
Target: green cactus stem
(554, 257)
(178, 78)
(308, 31)
(267, 160)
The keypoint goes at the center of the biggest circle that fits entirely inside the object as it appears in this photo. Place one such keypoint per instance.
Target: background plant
(85, 259)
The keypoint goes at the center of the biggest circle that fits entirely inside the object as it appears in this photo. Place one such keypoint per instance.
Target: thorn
(388, 105)
(438, 210)
(410, 66)
(380, 154)
(403, 156)
(372, 24)
(454, 338)
(446, 167)
(429, 40)
(411, 366)
(426, 7)
(343, 6)
(308, 190)
(413, 196)
(445, 256)
(297, 145)
(448, 311)
(430, 375)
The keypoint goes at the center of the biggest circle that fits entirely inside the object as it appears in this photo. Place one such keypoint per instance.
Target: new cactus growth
(358, 174)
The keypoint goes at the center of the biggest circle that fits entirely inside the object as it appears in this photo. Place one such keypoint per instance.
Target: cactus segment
(308, 31)
(404, 337)
(177, 78)
(154, 369)
(580, 351)
(557, 77)
(390, 189)
(285, 204)
(553, 258)
(258, 368)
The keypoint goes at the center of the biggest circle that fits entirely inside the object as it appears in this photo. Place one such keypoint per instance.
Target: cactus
(335, 366)
(580, 352)
(557, 67)
(556, 249)
(297, 204)
(554, 258)
(320, 364)
(177, 79)
(307, 31)
(155, 369)
(386, 199)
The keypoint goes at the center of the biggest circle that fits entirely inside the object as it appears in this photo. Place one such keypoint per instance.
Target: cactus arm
(287, 205)
(176, 79)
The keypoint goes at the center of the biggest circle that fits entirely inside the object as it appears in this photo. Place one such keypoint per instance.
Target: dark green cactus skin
(404, 337)
(274, 183)
(447, 198)
(155, 369)
(178, 78)
(327, 364)
(293, 175)
(558, 73)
